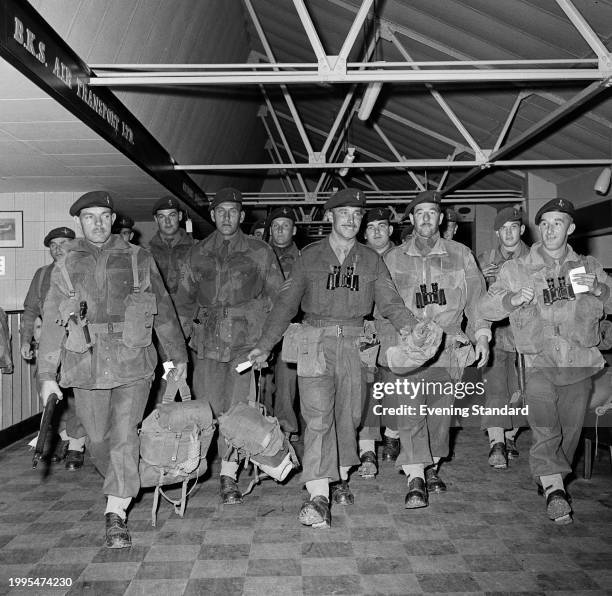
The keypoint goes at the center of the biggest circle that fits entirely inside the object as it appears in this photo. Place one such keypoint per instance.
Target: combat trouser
(110, 418)
(422, 436)
(501, 377)
(556, 415)
(331, 406)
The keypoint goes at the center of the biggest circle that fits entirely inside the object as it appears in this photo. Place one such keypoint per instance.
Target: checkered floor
(487, 535)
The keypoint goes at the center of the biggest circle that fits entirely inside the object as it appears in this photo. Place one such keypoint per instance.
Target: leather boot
(416, 496)
(368, 467)
(391, 448)
(558, 508)
(230, 494)
(74, 460)
(498, 458)
(435, 484)
(341, 493)
(316, 512)
(117, 535)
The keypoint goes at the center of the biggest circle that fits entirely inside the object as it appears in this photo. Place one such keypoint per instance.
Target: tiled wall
(41, 213)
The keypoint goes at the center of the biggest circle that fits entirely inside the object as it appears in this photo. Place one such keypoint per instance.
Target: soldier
(171, 243)
(229, 283)
(336, 280)
(378, 231)
(439, 281)
(452, 223)
(258, 229)
(124, 226)
(110, 296)
(501, 374)
(71, 432)
(282, 233)
(554, 299)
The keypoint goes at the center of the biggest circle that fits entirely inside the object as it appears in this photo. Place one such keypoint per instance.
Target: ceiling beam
(286, 77)
(585, 30)
(413, 163)
(528, 137)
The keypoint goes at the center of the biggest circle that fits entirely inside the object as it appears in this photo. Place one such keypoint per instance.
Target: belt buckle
(110, 327)
(339, 330)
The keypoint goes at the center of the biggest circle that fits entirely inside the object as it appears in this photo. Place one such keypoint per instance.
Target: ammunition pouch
(289, 352)
(140, 310)
(69, 318)
(310, 356)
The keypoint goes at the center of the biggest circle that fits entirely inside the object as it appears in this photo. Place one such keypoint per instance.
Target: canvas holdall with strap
(258, 438)
(174, 440)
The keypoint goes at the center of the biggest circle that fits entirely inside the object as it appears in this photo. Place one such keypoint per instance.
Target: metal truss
(335, 69)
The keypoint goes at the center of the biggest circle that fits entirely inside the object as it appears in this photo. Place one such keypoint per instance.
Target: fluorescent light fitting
(368, 100)
(349, 158)
(602, 185)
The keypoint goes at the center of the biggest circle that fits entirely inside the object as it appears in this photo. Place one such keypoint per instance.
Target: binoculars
(560, 292)
(436, 296)
(335, 279)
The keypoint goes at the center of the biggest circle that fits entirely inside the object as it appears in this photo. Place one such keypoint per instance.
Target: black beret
(347, 197)
(282, 212)
(505, 215)
(167, 202)
(450, 214)
(95, 198)
(377, 214)
(226, 195)
(427, 196)
(258, 225)
(58, 233)
(125, 221)
(562, 205)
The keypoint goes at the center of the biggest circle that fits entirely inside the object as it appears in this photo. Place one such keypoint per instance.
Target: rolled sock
(552, 482)
(496, 435)
(392, 434)
(64, 435)
(117, 505)
(344, 472)
(319, 487)
(511, 434)
(366, 445)
(76, 444)
(414, 471)
(229, 468)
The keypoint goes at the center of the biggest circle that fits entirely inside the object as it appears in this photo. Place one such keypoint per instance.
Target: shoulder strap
(64, 272)
(136, 288)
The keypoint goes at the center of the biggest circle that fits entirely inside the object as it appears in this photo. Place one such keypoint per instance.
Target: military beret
(347, 197)
(260, 224)
(377, 214)
(450, 214)
(58, 233)
(282, 212)
(562, 205)
(125, 221)
(427, 196)
(95, 198)
(226, 195)
(167, 202)
(505, 215)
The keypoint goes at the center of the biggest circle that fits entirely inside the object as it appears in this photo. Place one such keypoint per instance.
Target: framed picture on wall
(11, 229)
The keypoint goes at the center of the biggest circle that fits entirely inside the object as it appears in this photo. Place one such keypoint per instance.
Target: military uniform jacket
(170, 257)
(502, 333)
(559, 338)
(308, 287)
(222, 299)
(452, 266)
(286, 257)
(122, 351)
(33, 303)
